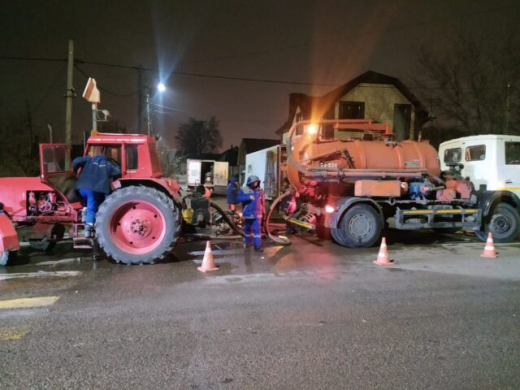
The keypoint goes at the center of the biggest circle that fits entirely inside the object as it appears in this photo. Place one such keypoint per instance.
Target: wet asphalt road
(309, 316)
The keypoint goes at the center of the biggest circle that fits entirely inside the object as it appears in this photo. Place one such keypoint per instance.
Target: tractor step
(83, 243)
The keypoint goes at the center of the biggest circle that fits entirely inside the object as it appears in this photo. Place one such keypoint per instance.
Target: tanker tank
(332, 166)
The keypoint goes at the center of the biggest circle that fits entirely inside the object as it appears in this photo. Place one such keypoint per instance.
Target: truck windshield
(512, 153)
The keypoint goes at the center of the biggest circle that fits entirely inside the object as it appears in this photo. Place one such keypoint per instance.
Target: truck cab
(492, 162)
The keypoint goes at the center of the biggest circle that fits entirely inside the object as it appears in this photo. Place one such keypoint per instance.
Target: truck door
(509, 173)
(194, 168)
(220, 174)
(56, 170)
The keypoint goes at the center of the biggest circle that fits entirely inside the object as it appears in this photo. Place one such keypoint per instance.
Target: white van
(492, 162)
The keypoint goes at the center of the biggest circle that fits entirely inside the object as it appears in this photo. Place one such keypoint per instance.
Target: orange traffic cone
(489, 249)
(207, 262)
(382, 257)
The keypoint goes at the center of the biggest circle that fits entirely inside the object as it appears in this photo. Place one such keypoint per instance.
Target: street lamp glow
(161, 87)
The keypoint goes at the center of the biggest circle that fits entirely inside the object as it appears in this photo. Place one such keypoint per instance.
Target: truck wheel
(503, 223)
(137, 225)
(360, 227)
(337, 235)
(5, 256)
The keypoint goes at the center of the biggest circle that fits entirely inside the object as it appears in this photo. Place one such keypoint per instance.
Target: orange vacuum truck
(353, 177)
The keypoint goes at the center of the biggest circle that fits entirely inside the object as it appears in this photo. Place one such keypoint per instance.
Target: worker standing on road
(94, 182)
(231, 193)
(253, 202)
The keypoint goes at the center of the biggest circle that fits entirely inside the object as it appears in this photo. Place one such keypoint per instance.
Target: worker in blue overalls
(94, 183)
(253, 207)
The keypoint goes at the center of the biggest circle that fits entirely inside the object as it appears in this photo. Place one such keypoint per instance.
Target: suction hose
(282, 240)
(226, 218)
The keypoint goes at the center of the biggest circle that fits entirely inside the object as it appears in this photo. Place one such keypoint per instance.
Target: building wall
(379, 102)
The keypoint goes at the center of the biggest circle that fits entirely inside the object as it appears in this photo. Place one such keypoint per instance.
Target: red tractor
(139, 222)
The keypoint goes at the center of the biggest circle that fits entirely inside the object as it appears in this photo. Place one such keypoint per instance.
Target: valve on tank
(419, 190)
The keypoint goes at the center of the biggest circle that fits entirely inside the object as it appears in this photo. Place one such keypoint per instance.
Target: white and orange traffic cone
(208, 264)
(382, 257)
(489, 249)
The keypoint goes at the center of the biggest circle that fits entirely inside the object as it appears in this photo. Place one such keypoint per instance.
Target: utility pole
(69, 95)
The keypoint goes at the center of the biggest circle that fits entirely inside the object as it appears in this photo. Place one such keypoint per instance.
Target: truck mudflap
(8, 237)
(469, 219)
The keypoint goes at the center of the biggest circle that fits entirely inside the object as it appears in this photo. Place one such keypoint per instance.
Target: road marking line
(64, 261)
(23, 303)
(13, 332)
(44, 274)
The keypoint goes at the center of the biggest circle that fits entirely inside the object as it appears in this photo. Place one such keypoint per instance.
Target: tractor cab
(135, 154)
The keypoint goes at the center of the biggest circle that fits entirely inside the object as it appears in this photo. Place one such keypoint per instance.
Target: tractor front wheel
(137, 225)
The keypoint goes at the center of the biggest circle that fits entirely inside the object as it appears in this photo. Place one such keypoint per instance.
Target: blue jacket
(231, 191)
(252, 208)
(95, 174)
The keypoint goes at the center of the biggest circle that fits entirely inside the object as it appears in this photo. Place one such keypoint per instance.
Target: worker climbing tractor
(94, 183)
(253, 202)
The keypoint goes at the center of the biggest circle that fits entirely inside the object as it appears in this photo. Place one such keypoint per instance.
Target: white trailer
(210, 173)
(492, 162)
(270, 166)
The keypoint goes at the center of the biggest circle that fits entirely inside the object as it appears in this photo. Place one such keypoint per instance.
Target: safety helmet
(251, 179)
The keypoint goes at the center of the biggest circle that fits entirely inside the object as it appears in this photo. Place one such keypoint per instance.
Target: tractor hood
(13, 193)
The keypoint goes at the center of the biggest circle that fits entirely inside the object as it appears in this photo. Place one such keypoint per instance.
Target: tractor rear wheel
(360, 227)
(137, 225)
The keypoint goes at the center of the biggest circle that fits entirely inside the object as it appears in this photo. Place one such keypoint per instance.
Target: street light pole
(148, 119)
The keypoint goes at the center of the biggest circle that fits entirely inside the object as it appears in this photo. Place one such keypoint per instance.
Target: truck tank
(331, 166)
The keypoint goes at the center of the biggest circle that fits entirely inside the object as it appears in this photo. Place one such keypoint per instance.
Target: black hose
(226, 218)
(282, 240)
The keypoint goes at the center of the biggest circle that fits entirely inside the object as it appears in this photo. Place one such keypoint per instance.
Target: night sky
(325, 43)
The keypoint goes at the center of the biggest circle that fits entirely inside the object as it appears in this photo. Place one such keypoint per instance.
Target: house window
(476, 153)
(513, 153)
(452, 156)
(351, 110)
(327, 132)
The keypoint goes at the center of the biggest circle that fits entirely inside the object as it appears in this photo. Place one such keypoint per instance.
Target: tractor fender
(8, 236)
(165, 185)
(343, 204)
(487, 200)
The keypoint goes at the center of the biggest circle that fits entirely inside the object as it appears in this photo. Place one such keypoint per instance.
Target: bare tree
(173, 163)
(198, 137)
(471, 83)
